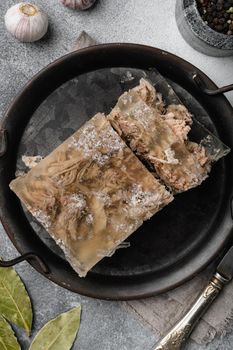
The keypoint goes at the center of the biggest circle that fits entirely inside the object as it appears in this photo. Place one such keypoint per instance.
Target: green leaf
(59, 333)
(8, 340)
(15, 304)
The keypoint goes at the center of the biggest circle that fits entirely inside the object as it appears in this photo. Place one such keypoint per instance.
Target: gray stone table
(105, 325)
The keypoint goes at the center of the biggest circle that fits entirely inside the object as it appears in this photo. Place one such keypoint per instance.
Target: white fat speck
(170, 155)
(89, 219)
(111, 140)
(43, 218)
(121, 227)
(91, 139)
(142, 113)
(100, 158)
(125, 228)
(76, 201)
(103, 197)
(141, 200)
(87, 140)
(73, 142)
(59, 242)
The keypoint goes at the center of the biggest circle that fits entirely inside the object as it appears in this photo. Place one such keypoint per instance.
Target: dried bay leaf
(59, 333)
(15, 304)
(8, 340)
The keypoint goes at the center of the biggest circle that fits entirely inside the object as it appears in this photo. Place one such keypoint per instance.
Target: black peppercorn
(214, 13)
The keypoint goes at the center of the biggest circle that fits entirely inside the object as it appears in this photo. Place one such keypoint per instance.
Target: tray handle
(211, 92)
(27, 256)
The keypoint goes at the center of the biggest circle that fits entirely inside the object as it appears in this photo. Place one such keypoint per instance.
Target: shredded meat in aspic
(159, 136)
(91, 193)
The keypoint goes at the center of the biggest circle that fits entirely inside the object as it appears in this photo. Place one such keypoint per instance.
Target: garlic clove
(26, 22)
(78, 4)
(84, 40)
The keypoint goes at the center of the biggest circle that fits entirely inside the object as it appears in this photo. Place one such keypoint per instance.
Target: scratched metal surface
(76, 101)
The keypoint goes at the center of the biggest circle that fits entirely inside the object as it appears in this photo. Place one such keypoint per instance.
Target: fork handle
(177, 337)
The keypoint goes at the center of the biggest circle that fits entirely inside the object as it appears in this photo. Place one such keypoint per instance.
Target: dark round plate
(177, 242)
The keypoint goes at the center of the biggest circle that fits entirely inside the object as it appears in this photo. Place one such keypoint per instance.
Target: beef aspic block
(91, 193)
(159, 136)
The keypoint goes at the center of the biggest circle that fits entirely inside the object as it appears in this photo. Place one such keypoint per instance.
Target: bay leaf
(8, 340)
(15, 304)
(59, 333)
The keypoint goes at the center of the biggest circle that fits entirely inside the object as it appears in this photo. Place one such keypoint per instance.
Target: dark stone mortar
(198, 34)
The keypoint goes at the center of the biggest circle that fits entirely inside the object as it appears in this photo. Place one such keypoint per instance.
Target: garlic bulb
(78, 4)
(26, 22)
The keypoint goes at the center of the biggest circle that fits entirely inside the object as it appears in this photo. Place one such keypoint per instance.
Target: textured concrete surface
(105, 325)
